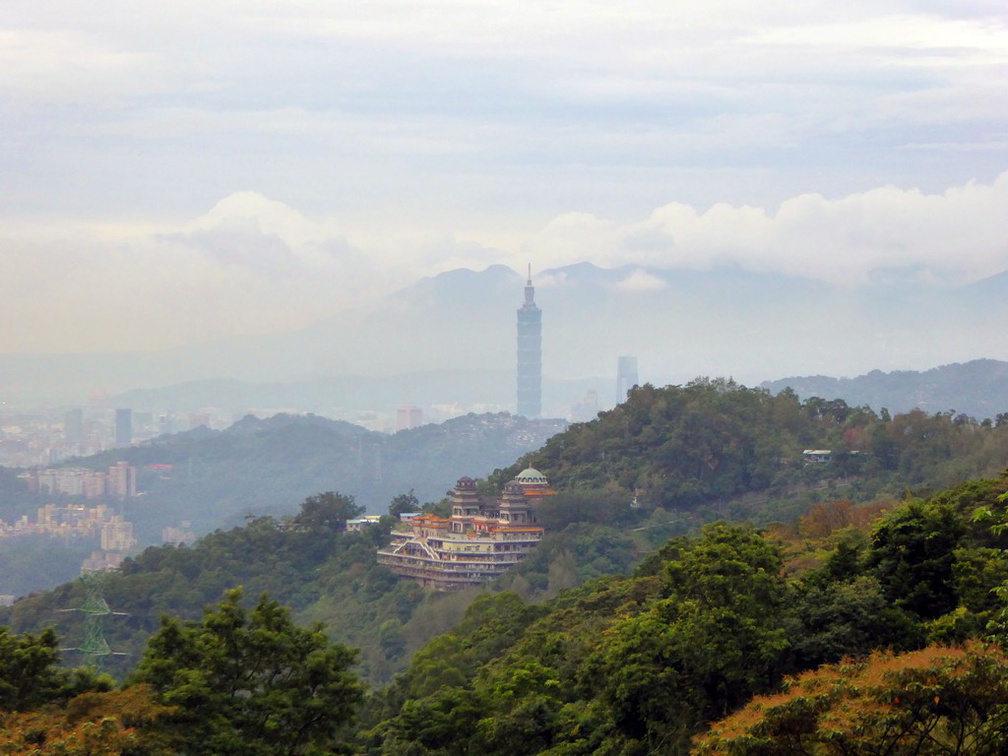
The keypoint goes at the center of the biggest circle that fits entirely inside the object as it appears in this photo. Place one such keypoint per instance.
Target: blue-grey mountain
(679, 324)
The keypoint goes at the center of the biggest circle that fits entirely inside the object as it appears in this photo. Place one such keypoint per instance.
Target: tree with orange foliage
(91, 724)
(938, 700)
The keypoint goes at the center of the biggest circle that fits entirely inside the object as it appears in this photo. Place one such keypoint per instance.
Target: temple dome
(531, 477)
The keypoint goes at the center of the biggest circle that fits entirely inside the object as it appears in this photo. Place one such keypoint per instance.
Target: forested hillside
(300, 560)
(268, 466)
(662, 661)
(978, 388)
(689, 454)
(643, 664)
(629, 630)
(727, 450)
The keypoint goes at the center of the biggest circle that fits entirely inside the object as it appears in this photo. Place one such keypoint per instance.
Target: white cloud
(62, 66)
(358, 146)
(248, 266)
(253, 265)
(640, 281)
(953, 237)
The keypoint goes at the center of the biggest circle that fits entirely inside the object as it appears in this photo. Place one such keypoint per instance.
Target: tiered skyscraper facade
(626, 377)
(529, 354)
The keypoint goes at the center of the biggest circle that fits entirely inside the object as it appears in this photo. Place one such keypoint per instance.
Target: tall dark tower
(626, 377)
(529, 354)
(123, 427)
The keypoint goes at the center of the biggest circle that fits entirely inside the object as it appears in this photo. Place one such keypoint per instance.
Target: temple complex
(480, 540)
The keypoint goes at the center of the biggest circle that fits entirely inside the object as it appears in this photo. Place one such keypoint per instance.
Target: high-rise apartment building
(626, 377)
(123, 427)
(73, 427)
(122, 482)
(117, 534)
(409, 417)
(529, 354)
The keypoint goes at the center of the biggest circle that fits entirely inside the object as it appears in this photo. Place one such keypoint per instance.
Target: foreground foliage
(240, 681)
(30, 677)
(853, 631)
(938, 700)
(250, 681)
(115, 723)
(641, 665)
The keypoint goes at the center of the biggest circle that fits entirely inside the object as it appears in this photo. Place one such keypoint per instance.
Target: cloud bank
(954, 237)
(510, 115)
(252, 265)
(174, 172)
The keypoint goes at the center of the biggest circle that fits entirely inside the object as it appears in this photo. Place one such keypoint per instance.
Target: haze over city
(177, 173)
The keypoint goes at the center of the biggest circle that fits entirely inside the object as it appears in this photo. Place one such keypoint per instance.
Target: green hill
(268, 466)
(721, 449)
(879, 611)
(656, 467)
(978, 388)
(642, 664)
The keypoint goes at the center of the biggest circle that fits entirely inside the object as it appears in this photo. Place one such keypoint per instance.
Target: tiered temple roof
(481, 539)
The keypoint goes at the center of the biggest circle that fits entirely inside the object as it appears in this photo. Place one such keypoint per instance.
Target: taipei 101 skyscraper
(529, 354)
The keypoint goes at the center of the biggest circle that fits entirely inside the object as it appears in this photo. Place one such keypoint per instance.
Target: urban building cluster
(76, 521)
(41, 438)
(38, 438)
(481, 539)
(120, 482)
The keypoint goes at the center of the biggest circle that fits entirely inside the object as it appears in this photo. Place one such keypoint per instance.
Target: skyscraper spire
(529, 354)
(529, 289)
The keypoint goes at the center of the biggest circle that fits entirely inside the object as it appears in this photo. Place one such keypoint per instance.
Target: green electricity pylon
(94, 647)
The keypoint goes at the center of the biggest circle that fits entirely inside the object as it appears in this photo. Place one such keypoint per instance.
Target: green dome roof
(532, 477)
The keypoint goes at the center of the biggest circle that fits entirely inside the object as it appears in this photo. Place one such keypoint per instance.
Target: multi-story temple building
(481, 539)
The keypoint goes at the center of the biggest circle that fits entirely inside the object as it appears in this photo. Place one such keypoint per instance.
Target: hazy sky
(176, 170)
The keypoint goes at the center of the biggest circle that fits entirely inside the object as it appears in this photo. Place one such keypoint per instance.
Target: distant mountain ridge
(679, 323)
(337, 395)
(268, 466)
(978, 388)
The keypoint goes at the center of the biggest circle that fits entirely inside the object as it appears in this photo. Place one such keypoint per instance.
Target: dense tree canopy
(641, 665)
(712, 440)
(627, 665)
(937, 701)
(543, 662)
(114, 723)
(250, 681)
(30, 676)
(327, 511)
